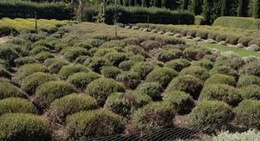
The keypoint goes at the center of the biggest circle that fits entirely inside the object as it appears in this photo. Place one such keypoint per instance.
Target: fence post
(35, 22)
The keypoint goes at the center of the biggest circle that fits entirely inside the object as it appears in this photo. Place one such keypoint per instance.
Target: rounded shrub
(115, 58)
(71, 104)
(220, 92)
(209, 116)
(8, 53)
(126, 65)
(71, 53)
(137, 99)
(50, 91)
(196, 71)
(37, 49)
(195, 53)
(94, 123)
(118, 103)
(205, 63)
(161, 75)
(24, 127)
(154, 116)
(29, 69)
(229, 60)
(54, 65)
(168, 55)
(178, 64)
(24, 60)
(252, 68)
(248, 113)
(96, 64)
(250, 92)
(142, 68)
(188, 84)
(221, 79)
(81, 59)
(249, 135)
(130, 79)
(110, 71)
(16, 105)
(135, 49)
(31, 82)
(224, 70)
(246, 80)
(71, 69)
(42, 56)
(153, 89)
(5, 73)
(9, 90)
(181, 100)
(81, 79)
(102, 87)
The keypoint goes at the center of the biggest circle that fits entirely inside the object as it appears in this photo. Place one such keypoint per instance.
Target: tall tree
(185, 4)
(256, 8)
(197, 6)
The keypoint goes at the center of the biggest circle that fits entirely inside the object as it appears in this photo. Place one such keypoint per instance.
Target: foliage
(186, 83)
(248, 135)
(16, 105)
(101, 88)
(9, 90)
(221, 79)
(129, 78)
(250, 92)
(161, 75)
(110, 71)
(71, 53)
(94, 123)
(209, 116)
(24, 60)
(248, 114)
(142, 68)
(31, 82)
(81, 79)
(196, 71)
(252, 68)
(153, 89)
(29, 69)
(70, 69)
(156, 115)
(181, 100)
(71, 104)
(24, 127)
(178, 64)
(246, 80)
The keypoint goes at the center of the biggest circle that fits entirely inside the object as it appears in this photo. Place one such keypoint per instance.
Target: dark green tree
(197, 6)
(256, 9)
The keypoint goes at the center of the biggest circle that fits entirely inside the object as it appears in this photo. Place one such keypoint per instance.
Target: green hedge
(22, 9)
(140, 15)
(237, 22)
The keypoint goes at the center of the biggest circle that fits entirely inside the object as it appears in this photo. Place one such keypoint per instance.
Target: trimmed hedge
(154, 116)
(71, 104)
(50, 91)
(102, 87)
(248, 113)
(31, 82)
(237, 22)
(220, 92)
(94, 123)
(24, 127)
(209, 116)
(9, 90)
(16, 105)
(22, 9)
(140, 15)
(180, 99)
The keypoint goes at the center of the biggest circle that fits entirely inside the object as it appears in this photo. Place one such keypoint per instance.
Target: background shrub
(130, 79)
(221, 79)
(220, 92)
(70, 69)
(153, 89)
(93, 124)
(4, 73)
(50, 91)
(126, 65)
(196, 71)
(7, 53)
(115, 58)
(205, 63)
(209, 116)
(110, 71)
(28, 126)
(161, 75)
(168, 55)
(54, 65)
(252, 68)
(81, 79)
(195, 53)
(143, 68)
(31, 82)
(29, 69)
(248, 135)
(9, 90)
(42, 56)
(181, 100)
(156, 115)
(178, 64)
(137, 99)
(186, 83)
(102, 87)
(95, 64)
(71, 53)
(24, 60)
(224, 70)
(117, 103)
(250, 92)
(246, 80)
(71, 104)
(248, 114)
